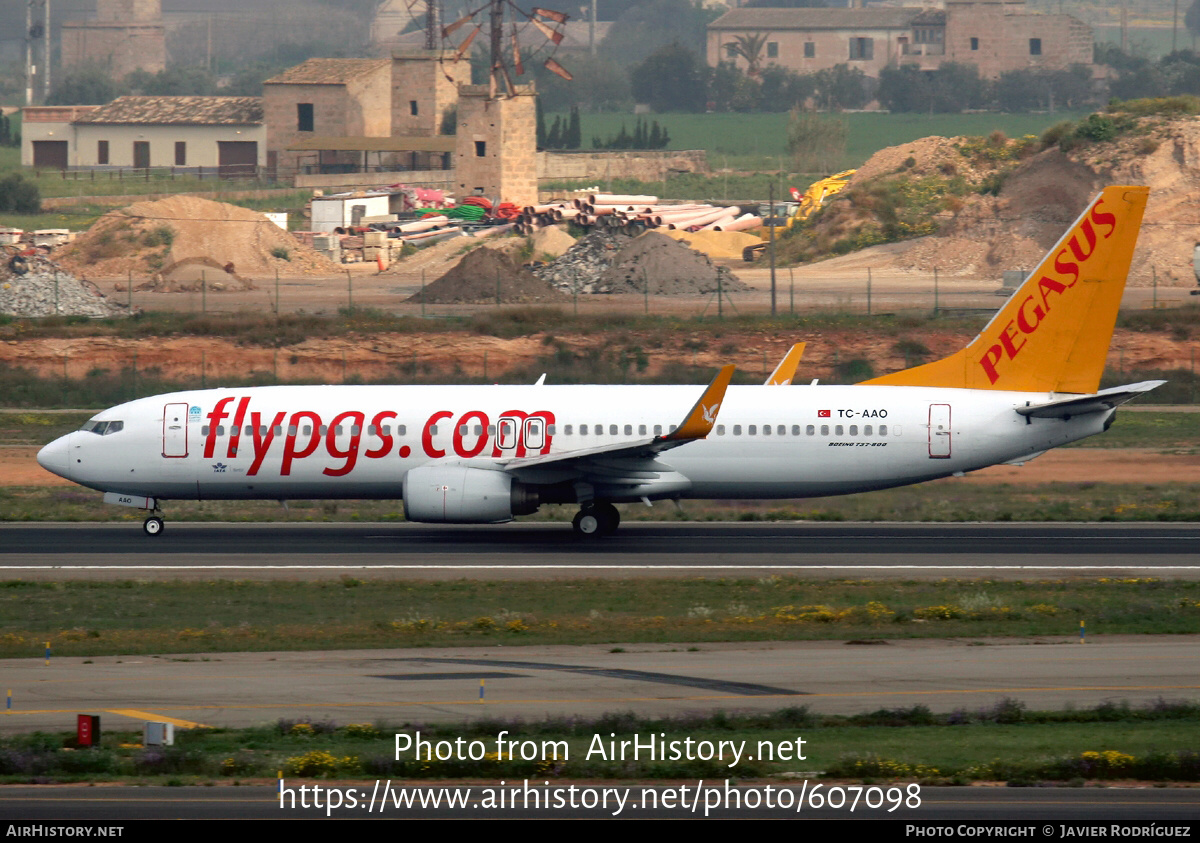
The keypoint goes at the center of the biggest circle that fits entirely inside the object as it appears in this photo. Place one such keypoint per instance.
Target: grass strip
(88, 618)
(1004, 742)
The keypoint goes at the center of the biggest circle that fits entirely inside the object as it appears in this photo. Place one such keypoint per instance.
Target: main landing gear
(153, 526)
(596, 519)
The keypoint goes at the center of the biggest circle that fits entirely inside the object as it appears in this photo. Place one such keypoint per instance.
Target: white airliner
(484, 454)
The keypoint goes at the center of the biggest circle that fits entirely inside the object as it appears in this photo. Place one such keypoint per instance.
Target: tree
(731, 90)
(783, 89)
(18, 195)
(88, 84)
(842, 86)
(648, 27)
(749, 47)
(670, 79)
(1191, 18)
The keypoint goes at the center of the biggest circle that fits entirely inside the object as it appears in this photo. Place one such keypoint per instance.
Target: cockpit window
(103, 428)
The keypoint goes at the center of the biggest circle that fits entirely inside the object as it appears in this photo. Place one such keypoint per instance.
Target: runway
(638, 549)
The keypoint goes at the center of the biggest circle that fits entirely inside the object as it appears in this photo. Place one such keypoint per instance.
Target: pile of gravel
(47, 290)
(608, 262)
(482, 276)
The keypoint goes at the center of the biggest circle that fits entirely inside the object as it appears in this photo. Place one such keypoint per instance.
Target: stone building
(326, 98)
(496, 152)
(331, 114)
(994, 35)
(125, 35)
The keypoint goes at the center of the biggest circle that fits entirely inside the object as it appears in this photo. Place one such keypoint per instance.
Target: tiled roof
(327, 71)
(198, 111)
(767, 19)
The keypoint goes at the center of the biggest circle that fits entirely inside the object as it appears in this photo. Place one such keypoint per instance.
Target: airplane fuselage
(298, 442)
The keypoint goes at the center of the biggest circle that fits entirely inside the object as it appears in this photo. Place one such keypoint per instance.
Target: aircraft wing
(1081, 405)
(697, 424)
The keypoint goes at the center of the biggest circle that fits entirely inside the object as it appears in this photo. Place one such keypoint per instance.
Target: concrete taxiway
(444, 684)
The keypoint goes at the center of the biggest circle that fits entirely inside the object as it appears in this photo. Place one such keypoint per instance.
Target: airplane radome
(485, 454)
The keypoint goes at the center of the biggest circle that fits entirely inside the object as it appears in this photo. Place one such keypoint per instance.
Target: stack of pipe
(633, 214)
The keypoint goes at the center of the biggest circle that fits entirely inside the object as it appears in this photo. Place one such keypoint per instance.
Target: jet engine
(460, 494)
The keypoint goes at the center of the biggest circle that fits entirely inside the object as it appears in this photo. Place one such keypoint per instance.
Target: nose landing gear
(596, 519)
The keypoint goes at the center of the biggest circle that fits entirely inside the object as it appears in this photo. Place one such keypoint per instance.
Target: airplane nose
(56, 457)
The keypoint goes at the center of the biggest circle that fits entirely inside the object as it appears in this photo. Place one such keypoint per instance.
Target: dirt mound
(146, 237)
(606, 262)
(487, 275)
(1038, 198)
(44, 289)
(552, 241)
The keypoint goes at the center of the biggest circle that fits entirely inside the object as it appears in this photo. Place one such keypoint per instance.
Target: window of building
(304, 117)
(772, 49)
(101, 152)
(1035, 46)
(412, 107)
(974, 43)
(810, 49)
(862, 49)
(480, 149)
(180, 153)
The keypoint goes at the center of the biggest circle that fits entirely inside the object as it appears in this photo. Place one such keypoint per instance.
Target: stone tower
(496, 151)
(126, 35)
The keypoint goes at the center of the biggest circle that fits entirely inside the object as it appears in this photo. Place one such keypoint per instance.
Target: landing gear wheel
(599, 519)
(586, 523)
(153, 525)
(610, 518)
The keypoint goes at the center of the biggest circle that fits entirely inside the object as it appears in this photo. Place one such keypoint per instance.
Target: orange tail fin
(1053, 334)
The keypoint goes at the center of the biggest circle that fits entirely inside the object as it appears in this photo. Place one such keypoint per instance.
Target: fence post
(868, 291)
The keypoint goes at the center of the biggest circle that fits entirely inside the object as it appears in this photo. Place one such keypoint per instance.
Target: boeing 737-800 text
(484, 454)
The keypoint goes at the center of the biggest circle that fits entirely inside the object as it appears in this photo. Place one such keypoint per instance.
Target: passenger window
(782, 430)
(720, 430)
(401, 430)
(220, 430)
(838, 430)
(566, 429)
(550, 429)
(248, 430)
(583, 430)
(463, 430)
(824, 430)
(751, 430)
(203, 430)
(291, 430)
(811, 430)
(867, 430)
(766, 430)
(612, 430)
(279, 430)
(629, 430)
(854, 430)
(308, 430)
(323, 429)
(355, 430)
(658, 430)
(737, 430)
(641, 430)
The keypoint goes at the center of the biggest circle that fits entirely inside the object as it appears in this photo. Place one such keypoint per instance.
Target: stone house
(994, 35)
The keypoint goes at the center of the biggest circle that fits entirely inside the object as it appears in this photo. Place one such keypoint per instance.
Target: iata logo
(1068, 265)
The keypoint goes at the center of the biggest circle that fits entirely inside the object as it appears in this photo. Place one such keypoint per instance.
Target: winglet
(786, 370)
(701, 418)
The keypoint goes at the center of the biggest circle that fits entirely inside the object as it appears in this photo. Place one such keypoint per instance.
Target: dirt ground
(18, 467)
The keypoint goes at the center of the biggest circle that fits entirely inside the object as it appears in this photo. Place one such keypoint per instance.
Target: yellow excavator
(806, 204)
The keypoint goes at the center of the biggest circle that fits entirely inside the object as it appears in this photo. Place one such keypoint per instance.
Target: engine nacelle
(459, 494)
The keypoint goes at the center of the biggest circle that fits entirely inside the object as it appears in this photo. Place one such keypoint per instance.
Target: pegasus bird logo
(710, 413)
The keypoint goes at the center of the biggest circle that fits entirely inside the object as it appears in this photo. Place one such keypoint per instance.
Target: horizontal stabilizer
(1081, 405)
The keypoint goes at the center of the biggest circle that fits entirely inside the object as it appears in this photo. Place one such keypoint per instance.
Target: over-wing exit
(485, 454)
